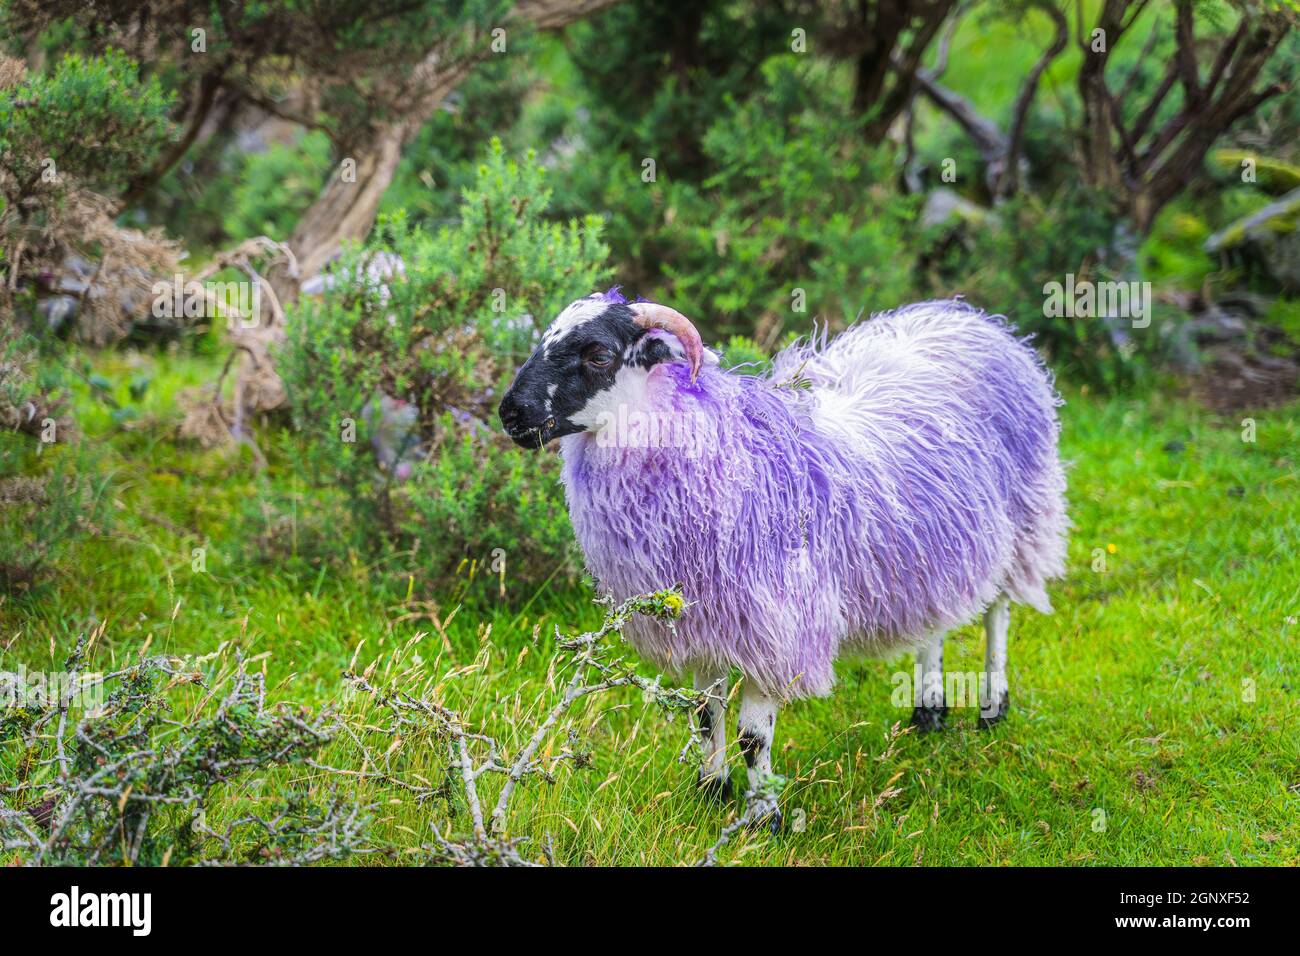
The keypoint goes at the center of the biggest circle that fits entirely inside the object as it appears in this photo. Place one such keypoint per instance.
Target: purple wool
(865, 493)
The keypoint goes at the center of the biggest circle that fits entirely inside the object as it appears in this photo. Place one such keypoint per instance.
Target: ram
(864, 496)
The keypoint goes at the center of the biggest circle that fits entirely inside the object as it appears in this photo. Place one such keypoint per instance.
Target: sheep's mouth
(531, 438)
(535, 438)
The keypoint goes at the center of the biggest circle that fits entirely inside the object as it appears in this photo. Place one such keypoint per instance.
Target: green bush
(1004, 263)
(801, 219)
(797, 218)
(50, 489)
(394, 383)
(276, 187)
(89, 117)
(744, 356)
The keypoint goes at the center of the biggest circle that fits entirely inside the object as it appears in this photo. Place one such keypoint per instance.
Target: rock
(1271, 234)
(376, 268)
(944, 207)
(392, 424)
(57, 311)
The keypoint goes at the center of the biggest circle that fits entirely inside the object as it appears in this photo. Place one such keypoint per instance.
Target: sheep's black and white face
(593, 356)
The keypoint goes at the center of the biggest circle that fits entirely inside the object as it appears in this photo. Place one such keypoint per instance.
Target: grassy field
(1156, 715)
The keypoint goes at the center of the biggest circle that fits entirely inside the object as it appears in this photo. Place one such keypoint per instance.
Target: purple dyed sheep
(864, 497)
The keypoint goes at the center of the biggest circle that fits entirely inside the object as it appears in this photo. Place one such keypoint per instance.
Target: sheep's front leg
(931, 708)
(757, 728)
(995, 700)
(711, 731)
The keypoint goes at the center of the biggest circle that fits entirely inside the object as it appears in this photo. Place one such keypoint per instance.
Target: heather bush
(51, 490)
(393, 375)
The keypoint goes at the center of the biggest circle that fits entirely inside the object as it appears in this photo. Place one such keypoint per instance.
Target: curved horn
(651, 315)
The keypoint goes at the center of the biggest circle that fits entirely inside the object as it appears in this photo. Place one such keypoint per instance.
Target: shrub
(122, 767)
(183, 761)
(795, 217)
(803, 216)
(70, 138)
(90, 118)
(1004, 263)
(49, 489)
(394, 381)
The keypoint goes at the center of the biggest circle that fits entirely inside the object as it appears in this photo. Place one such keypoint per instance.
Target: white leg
(994, 696)
(755, 733)
(930, 706)
(711, 731)
(757, 727)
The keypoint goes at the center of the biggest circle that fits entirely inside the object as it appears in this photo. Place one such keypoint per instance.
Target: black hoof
(716, 787)
(927, 719)
(989, 716)
(773, 821)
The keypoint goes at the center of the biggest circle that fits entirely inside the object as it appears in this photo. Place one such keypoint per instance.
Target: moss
(1274, 175)
(1278, 218)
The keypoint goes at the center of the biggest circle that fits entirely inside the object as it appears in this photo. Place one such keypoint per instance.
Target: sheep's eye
(598, 357)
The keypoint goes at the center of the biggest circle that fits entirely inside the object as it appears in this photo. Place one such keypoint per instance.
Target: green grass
(1164, 692)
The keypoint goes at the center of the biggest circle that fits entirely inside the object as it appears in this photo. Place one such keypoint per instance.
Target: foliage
(798, 203)
(745, 356)
(442, 159)
(658, 99)
(1004, 265)
(275, 186)
(357, 52)
(136, 766)
(796, 218)
(70, 138)
(90, 118)
(51, 485)
(129, 778)
(415, 363)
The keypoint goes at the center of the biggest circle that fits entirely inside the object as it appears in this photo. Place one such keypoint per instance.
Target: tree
(367, 72)
(1000, 151)
(885, 41)
(1144, 150)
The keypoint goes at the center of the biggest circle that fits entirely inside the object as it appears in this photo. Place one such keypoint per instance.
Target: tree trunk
(345, 209)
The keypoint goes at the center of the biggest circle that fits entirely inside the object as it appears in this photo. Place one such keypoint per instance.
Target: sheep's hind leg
(995, 700)
(757, 728)
(711, 731)
(931, 710)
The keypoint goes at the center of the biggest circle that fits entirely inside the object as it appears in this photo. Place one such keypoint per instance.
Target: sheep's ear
(657, 347)
(651, 315)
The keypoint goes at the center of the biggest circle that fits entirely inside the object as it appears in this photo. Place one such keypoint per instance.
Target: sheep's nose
(509, 412)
